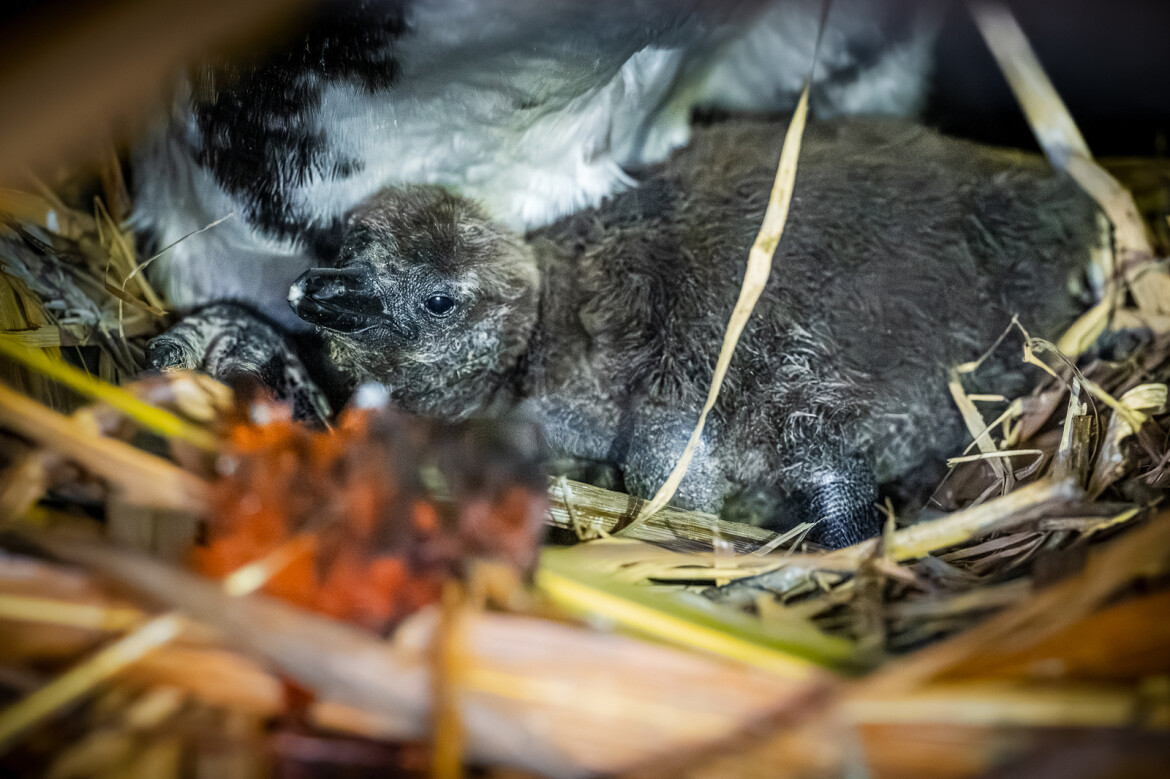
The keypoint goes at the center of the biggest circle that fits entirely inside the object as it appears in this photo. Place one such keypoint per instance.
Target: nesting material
(1018, 618)
(956, 618)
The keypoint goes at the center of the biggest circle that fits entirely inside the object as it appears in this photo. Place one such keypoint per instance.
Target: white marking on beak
(371, 394)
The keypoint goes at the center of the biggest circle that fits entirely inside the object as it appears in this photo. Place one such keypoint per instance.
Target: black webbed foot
(839, 502)
(230, 342)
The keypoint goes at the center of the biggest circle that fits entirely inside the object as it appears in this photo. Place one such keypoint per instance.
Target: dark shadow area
(1110, 61)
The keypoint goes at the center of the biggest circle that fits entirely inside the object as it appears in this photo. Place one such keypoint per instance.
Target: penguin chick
(905, 253)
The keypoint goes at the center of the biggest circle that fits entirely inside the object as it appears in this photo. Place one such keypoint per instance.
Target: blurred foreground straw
(73, 75)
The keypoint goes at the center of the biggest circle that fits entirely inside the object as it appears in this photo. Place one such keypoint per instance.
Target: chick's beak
(341, 299)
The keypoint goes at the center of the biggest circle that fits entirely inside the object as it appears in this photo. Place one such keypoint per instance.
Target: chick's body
(905, 253)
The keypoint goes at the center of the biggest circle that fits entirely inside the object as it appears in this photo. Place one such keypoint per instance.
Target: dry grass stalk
(1047, 115)
(1067, 150)
(1147, 280)
(1137, 637)
(18, 718)
(23, 315)
(978, 428)
(1042, 667)
(152, 418)
(603, 702)
(632, 561)
(118, 244)
(145, 638)
(1001, 704)
(1074, 438)
(23, 483)
(1140, 402)
(126, 741)
(58, 260)
(138, 477)
(448, 675)
(61, 612)
(755, 279)
(224, 680)
(717, 635)
(953, 731)
(985, 598)
(70, 279)
(1011, 510)
(1143, 552)
(576, 506)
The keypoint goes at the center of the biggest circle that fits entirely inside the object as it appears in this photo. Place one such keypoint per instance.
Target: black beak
(341, 299)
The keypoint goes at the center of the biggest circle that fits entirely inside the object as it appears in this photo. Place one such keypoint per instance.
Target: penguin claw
(231, 343)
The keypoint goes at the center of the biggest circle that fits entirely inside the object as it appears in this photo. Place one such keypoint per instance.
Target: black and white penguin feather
(530, 107)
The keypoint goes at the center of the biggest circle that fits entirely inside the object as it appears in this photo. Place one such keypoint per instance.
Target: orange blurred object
(367, 540)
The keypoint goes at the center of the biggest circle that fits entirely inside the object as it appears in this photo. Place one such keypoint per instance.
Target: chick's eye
(439, 304)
